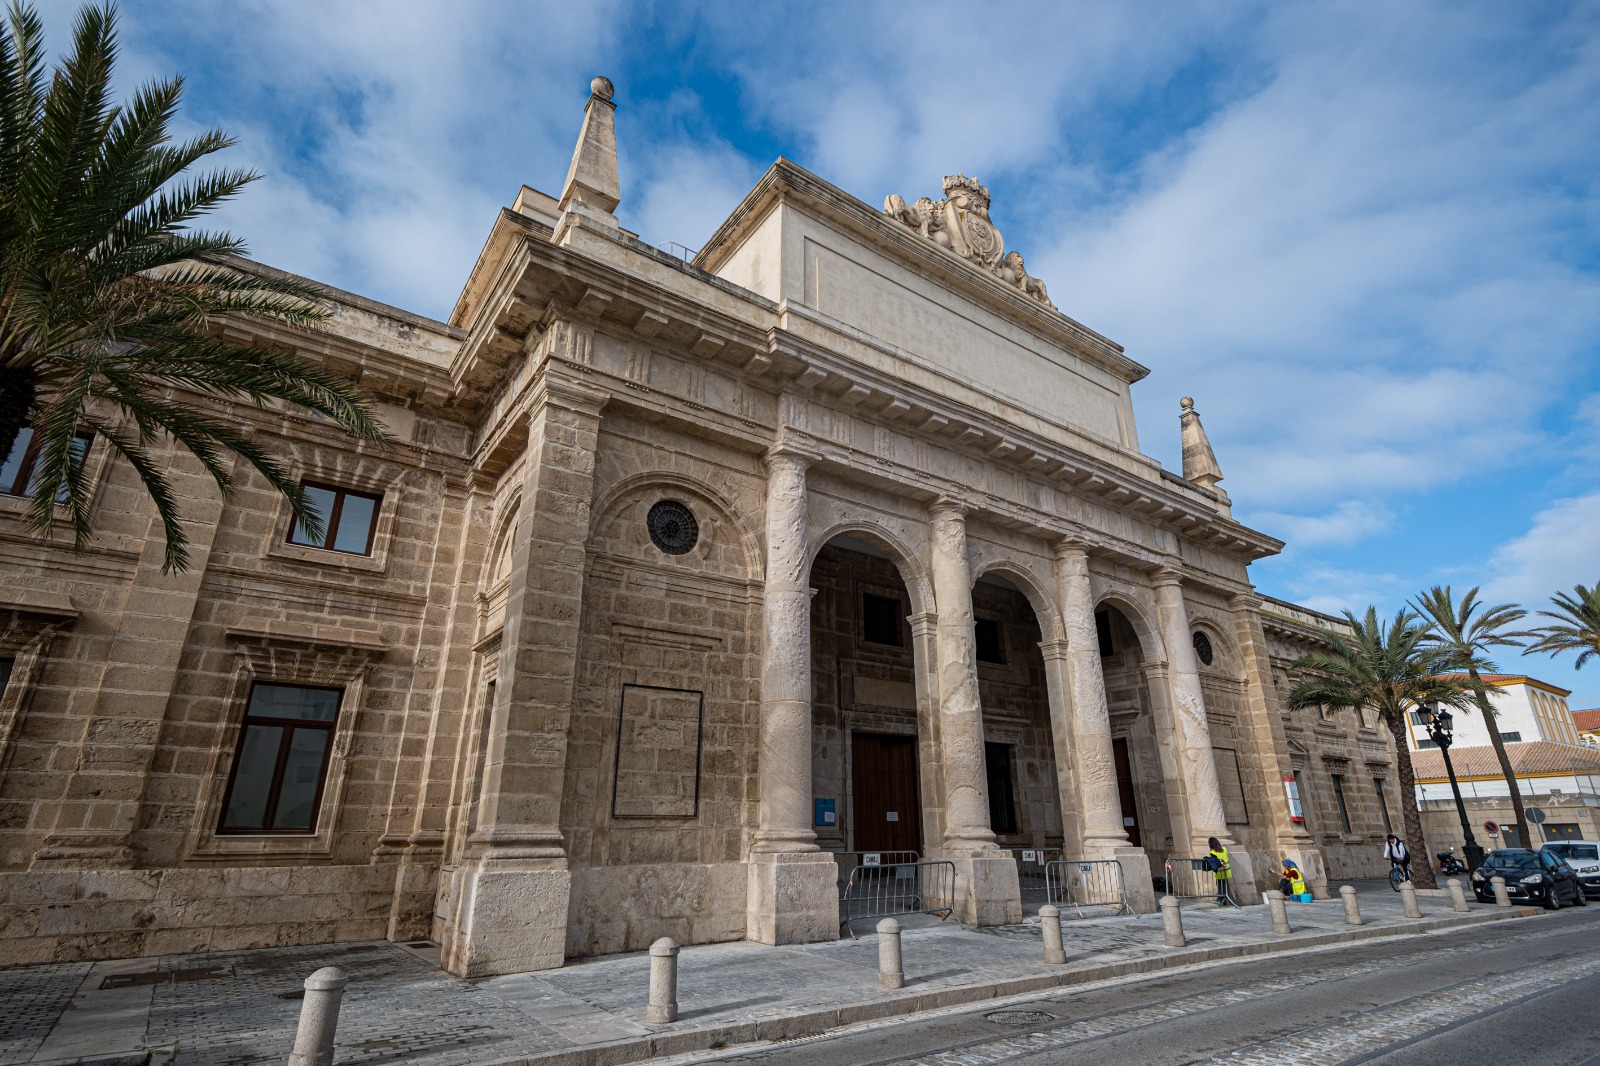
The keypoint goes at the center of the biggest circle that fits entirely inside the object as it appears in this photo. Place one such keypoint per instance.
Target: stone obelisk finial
(1199, 461)
(592, 188)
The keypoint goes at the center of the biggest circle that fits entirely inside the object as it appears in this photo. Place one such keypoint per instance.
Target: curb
(814, 1023)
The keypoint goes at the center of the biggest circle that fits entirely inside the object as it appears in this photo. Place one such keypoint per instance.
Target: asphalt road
(1512, 992)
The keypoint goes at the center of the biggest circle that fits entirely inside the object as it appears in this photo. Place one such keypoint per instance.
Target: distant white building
(1588, 723)
(1526, 710)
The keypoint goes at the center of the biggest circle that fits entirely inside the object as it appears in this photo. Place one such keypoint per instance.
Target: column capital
(949, 507)
(569, 394)
(923, 623)
(1167, 573)
(1245, 601)
(1074, 545)
(1054, 649)
(786, 456)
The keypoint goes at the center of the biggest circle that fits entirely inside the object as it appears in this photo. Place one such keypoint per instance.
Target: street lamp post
(1441, 730)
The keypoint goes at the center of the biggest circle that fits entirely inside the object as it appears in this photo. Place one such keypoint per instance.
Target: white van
(1584, 858)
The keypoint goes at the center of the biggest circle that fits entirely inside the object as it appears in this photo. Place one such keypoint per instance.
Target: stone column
(986, 878)
(1264, 727)
(1197, 765)
(930, 746)
(1058, 688)
(517, 885)
(792, 897)
(1104, 836)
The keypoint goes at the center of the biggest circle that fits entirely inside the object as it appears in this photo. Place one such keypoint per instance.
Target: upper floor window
(282, 759)
(880, 619)
(18, 474)
(991, 645)
(349, 519)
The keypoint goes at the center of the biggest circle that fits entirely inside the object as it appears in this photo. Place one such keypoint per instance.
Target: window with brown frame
(282, 760)
(17, 473)
(349, 519)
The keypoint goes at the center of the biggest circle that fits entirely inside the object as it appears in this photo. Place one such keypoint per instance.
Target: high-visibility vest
(1297, 883)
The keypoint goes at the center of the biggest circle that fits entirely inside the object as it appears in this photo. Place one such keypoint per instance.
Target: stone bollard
(1502, 898)
(1352, 909)
(1458, 896)
(319, 1017)
(891, 974)
(1055, 952)
(1172, 922)
(1408, 896)
(663, 982)
(1280, 913)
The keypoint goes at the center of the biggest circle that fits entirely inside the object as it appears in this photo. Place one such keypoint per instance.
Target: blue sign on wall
(827, 813)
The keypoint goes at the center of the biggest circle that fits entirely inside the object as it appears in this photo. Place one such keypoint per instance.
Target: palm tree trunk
(1505, 762)
(1421, 861)
(18, 388)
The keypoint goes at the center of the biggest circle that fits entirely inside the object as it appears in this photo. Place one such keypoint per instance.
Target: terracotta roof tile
(1530, 757)
(1589, 719)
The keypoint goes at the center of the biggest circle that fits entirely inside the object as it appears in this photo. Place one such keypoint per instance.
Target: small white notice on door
(1129, 822)
(891, 816)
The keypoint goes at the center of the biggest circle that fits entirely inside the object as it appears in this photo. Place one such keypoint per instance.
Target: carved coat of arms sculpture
(960, 222)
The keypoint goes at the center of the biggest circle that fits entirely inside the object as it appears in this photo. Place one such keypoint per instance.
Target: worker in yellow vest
(1291, 882)
(1217, 862)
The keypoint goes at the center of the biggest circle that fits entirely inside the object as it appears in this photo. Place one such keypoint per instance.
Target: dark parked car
(1531, 877)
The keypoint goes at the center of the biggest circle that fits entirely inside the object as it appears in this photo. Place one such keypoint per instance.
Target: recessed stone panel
(658, 753)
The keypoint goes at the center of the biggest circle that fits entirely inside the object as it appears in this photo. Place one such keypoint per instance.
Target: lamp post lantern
(1441, 730)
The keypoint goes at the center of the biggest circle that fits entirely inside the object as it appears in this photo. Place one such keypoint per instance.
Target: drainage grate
(1020, 1017)
(135, 980)
(202, 973)
(422, 944)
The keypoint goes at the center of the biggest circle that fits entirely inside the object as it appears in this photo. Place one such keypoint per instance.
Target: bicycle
(1398, 875)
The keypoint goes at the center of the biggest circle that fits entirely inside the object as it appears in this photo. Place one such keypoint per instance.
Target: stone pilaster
(792, 896)
(1191, 732)
(517, 884)
(986, 879)
(930, 749)
(1094, 765)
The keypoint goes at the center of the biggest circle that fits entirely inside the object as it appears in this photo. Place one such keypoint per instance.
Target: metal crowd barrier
(848, 861)
(1032, 864)
(1082, 883)
(1189, 879)
(885, 890)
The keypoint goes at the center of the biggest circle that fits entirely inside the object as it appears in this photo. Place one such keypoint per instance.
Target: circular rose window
(672, 527)
(1202, 648)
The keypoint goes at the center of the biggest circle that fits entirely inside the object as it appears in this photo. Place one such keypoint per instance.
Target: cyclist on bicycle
(1399, 856)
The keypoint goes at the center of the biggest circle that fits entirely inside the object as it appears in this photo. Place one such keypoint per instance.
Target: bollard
(1408, 896)
(663, 1006)
(1502, 898)
(1172, 922)
(890, 973)
(1280, 913)
(1352, 909)
(319, 1017)
(1055, 952)
(1458, 896)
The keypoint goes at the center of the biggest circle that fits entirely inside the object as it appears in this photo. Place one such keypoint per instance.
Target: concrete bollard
(1055, 952)
(1172, 922)
(1352, 909)
(1502, 898)
(1280, 912)
(1408, 896)
(891, 974)
(319, 1017)
(1458, 896)
(663, 1006)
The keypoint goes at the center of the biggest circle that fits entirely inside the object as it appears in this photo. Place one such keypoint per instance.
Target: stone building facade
(665, 563)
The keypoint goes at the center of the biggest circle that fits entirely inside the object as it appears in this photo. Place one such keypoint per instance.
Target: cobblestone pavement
(240, 1007)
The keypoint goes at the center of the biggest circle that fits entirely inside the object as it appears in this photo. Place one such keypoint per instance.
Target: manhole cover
(1020, 1017)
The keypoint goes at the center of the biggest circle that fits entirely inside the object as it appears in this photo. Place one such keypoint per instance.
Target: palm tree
(1468, 632)
(109, 302)
(1577, 625)
(1393, 671)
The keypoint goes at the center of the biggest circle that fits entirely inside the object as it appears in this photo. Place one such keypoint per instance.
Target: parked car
(1584, 857)
(1531, 877)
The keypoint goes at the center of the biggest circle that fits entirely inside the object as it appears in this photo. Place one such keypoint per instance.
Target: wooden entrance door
(886, 811)
(1130, 812)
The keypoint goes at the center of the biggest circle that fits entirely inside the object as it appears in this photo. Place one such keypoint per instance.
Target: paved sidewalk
(240, 1007)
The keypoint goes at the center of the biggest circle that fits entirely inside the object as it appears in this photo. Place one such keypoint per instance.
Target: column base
(793, 898)
(512, 918)
(1136, 878)
(987, 890)
(1245, 889)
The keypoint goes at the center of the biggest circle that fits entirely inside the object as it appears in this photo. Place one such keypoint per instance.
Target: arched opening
(871, 758)
(1142, 747)
(1020, 755)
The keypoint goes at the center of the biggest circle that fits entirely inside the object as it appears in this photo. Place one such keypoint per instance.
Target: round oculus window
(1202, 648)
(672, 527)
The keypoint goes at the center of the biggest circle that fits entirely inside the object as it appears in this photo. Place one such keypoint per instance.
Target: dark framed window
(281, 763)
(1002, 791)
(1424, 745)
(1338, 799)
(349, 519)
(880, 620)
(991, 645)
(1512, 737)
(6, 665)
(1383, 804)
(1203, 649)
(1102, 629)
(18, 473)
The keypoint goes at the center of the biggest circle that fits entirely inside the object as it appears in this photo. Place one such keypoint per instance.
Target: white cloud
(1560, 549)
(1348, 522)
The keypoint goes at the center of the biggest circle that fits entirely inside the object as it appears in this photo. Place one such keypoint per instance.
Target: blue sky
(1365, 237)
